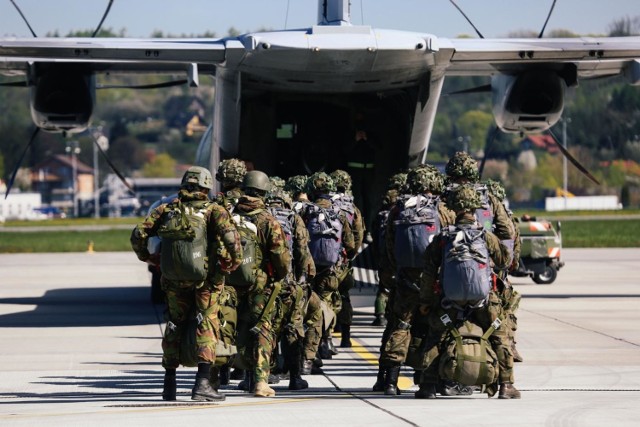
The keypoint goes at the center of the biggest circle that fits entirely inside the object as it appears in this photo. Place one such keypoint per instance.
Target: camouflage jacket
(222, 236)
(446, 218)
(303, 264)
(429, 292)
(276, 259)
(348, 240)
(503, 226)
(357, 226)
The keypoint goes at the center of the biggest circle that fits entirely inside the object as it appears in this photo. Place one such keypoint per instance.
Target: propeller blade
(24, 153)
(104, 16)
(477, 89)
(112, 166)
(467, 18)
(149, 86)
(14, 84)
(487, 149)
(572, 159)
(547, 21)
(24, 18)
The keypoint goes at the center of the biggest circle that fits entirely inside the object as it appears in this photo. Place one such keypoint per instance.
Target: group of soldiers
(276, 277)
(276, 271)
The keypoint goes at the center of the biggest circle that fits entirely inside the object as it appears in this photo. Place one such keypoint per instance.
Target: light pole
(565, 174)
(103, 143)
(73, 148)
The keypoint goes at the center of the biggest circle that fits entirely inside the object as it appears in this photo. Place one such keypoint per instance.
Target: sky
(140, 18)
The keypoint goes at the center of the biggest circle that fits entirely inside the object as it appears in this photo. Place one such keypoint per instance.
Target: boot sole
(203, 398)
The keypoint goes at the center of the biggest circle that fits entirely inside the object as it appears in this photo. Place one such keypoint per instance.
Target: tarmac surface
(80, 345)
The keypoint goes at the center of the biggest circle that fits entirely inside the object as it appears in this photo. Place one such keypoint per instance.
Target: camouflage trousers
(182, 298)
(386, 282)
(345, 315)
(405, 302)
(326, 283)
(483, 317)
(289, 322)
(313, 322)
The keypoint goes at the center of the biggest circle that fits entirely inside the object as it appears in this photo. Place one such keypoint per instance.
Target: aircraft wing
(115, 54)
(593, 57)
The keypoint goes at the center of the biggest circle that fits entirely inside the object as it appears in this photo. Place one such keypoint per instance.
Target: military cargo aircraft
(290, 101)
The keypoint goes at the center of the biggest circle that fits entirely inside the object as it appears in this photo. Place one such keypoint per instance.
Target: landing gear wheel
(547, 277)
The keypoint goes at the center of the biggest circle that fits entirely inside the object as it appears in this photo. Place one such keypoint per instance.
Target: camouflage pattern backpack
(466, 355)
(183, 231)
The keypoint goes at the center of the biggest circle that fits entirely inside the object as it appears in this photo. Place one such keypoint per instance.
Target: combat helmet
(425, 178)
(279, 196)
(257, 181)
(463, 197)
(342, 179)
(296, 185)
(496, 189)
(197, 175)
(462, 166)
(319, 183)
(276, 182)
(397, 181)
(231, 172)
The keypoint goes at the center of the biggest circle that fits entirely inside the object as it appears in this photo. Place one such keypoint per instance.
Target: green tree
(161, 166)
(475, 124)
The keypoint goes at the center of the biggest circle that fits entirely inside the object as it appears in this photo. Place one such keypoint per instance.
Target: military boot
(224, 374)
(325, 350)
(248, 384)
(516, 354)
(295, 380)
(307, 365)
(214, 377)
(453, 388)
(202, 391)
(508, 391)
(169, 390)
(380, 320)
(426, 391)
(237, 374)
(345, 341)
(263, 390)
(380, 380)
(391, 381)
(332, 348)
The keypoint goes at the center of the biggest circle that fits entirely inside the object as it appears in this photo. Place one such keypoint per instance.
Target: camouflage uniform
(292, 299)
(275, 267)
(342, 181)
(224, 253)
(462, 201)
(327, 280)
(424, 179)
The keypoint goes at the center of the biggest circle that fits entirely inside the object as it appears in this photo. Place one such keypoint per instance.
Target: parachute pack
(415, 226)
(465, 275)
(467, 356)
(325, 234)
(245, 274)
(344, 202)
(184, 241)
(285, 218)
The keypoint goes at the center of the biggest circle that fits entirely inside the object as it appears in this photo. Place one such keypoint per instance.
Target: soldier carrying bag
(466, 354)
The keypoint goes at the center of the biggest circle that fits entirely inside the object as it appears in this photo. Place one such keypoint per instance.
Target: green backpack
(245, 274)
(467, 356)
(183, 230)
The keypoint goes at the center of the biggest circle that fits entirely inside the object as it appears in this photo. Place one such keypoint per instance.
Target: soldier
(270, 266)
(196, 287)
(230, 174)
(463, 169)
(435, 302)
(332, 246)
(277, 183)
(292, 299)
(415, 219)
(343, 199)
(510, 297)
(296, 187)
(386, 275)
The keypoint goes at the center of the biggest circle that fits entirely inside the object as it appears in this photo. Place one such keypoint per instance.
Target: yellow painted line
(403, 382)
